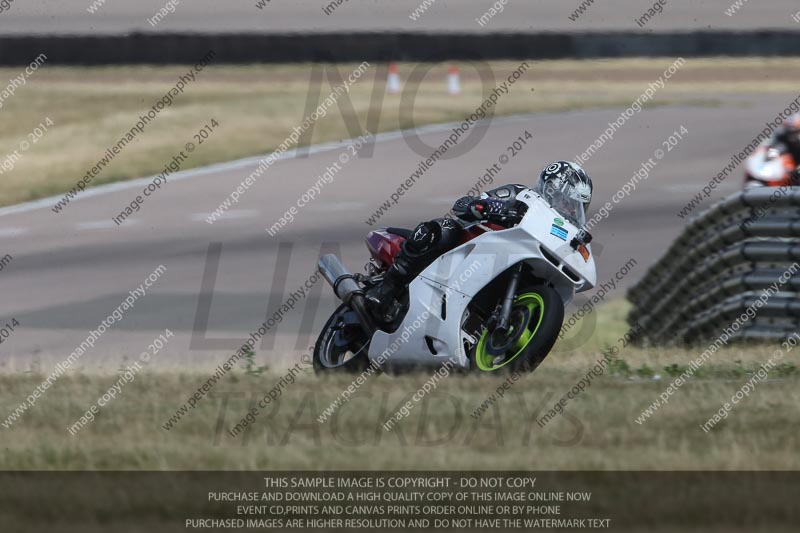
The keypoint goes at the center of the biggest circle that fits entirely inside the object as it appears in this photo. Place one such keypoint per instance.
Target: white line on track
(255, 160)
(12, 232)
(232, 165)
(338, 206)
(681, 187)
(104, 224)
(440, 200)
(231, 214)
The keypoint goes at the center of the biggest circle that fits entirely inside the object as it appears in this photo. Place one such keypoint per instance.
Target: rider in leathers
(431, 239)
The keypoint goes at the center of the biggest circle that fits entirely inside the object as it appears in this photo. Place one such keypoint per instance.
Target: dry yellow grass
(597, 432)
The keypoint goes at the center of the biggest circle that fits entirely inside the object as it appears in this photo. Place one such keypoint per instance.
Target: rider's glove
(488, 208)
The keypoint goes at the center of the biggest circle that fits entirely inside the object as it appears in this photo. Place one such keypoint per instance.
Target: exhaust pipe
(346, 289)
(338, 276)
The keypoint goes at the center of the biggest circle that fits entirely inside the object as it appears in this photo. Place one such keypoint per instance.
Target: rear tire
(342, 346)
(536, 319)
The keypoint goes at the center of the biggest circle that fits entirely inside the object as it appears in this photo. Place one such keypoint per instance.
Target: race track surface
(70, 270)
(25, 17)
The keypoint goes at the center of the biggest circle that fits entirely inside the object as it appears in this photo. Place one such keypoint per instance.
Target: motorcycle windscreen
(568, 207)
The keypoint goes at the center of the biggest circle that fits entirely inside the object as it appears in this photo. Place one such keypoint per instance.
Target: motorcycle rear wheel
(342, 346)
(536, 318)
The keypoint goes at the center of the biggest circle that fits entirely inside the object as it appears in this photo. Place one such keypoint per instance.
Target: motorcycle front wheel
(534, 325)
(342, 346)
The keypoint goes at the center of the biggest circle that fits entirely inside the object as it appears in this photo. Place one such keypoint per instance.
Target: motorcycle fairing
(439, 296)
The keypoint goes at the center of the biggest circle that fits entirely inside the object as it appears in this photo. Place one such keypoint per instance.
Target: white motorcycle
(496, 302)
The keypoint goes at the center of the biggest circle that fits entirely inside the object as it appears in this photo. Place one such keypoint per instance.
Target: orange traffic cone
(453, 81)
(393, 81)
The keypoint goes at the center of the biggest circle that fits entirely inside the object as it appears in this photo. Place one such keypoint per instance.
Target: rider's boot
(427, 241)
(383, 296)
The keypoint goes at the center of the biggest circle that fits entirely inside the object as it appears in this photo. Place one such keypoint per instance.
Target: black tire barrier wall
(718, 267)
(158, 48)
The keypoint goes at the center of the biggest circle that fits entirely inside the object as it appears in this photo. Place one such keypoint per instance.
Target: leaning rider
(431, 239)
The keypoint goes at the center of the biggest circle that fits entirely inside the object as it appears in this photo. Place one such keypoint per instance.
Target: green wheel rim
(535, 305)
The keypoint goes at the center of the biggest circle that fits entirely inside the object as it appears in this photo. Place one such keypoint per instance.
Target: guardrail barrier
(742, 249)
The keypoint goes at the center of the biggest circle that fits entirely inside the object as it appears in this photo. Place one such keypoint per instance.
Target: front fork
(508, 299)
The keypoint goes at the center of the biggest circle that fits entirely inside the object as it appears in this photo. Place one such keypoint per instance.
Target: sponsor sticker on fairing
(559, 232)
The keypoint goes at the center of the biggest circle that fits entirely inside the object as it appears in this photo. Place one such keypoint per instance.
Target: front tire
(536, 318)
(342, 346)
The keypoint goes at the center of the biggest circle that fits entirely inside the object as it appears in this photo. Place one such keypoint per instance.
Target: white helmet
(569, 178)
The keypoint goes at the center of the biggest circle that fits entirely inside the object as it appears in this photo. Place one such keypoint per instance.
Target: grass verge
(596, 431)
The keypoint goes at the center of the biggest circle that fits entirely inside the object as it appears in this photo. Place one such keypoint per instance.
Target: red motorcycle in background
(776, 162)
(770, 167)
